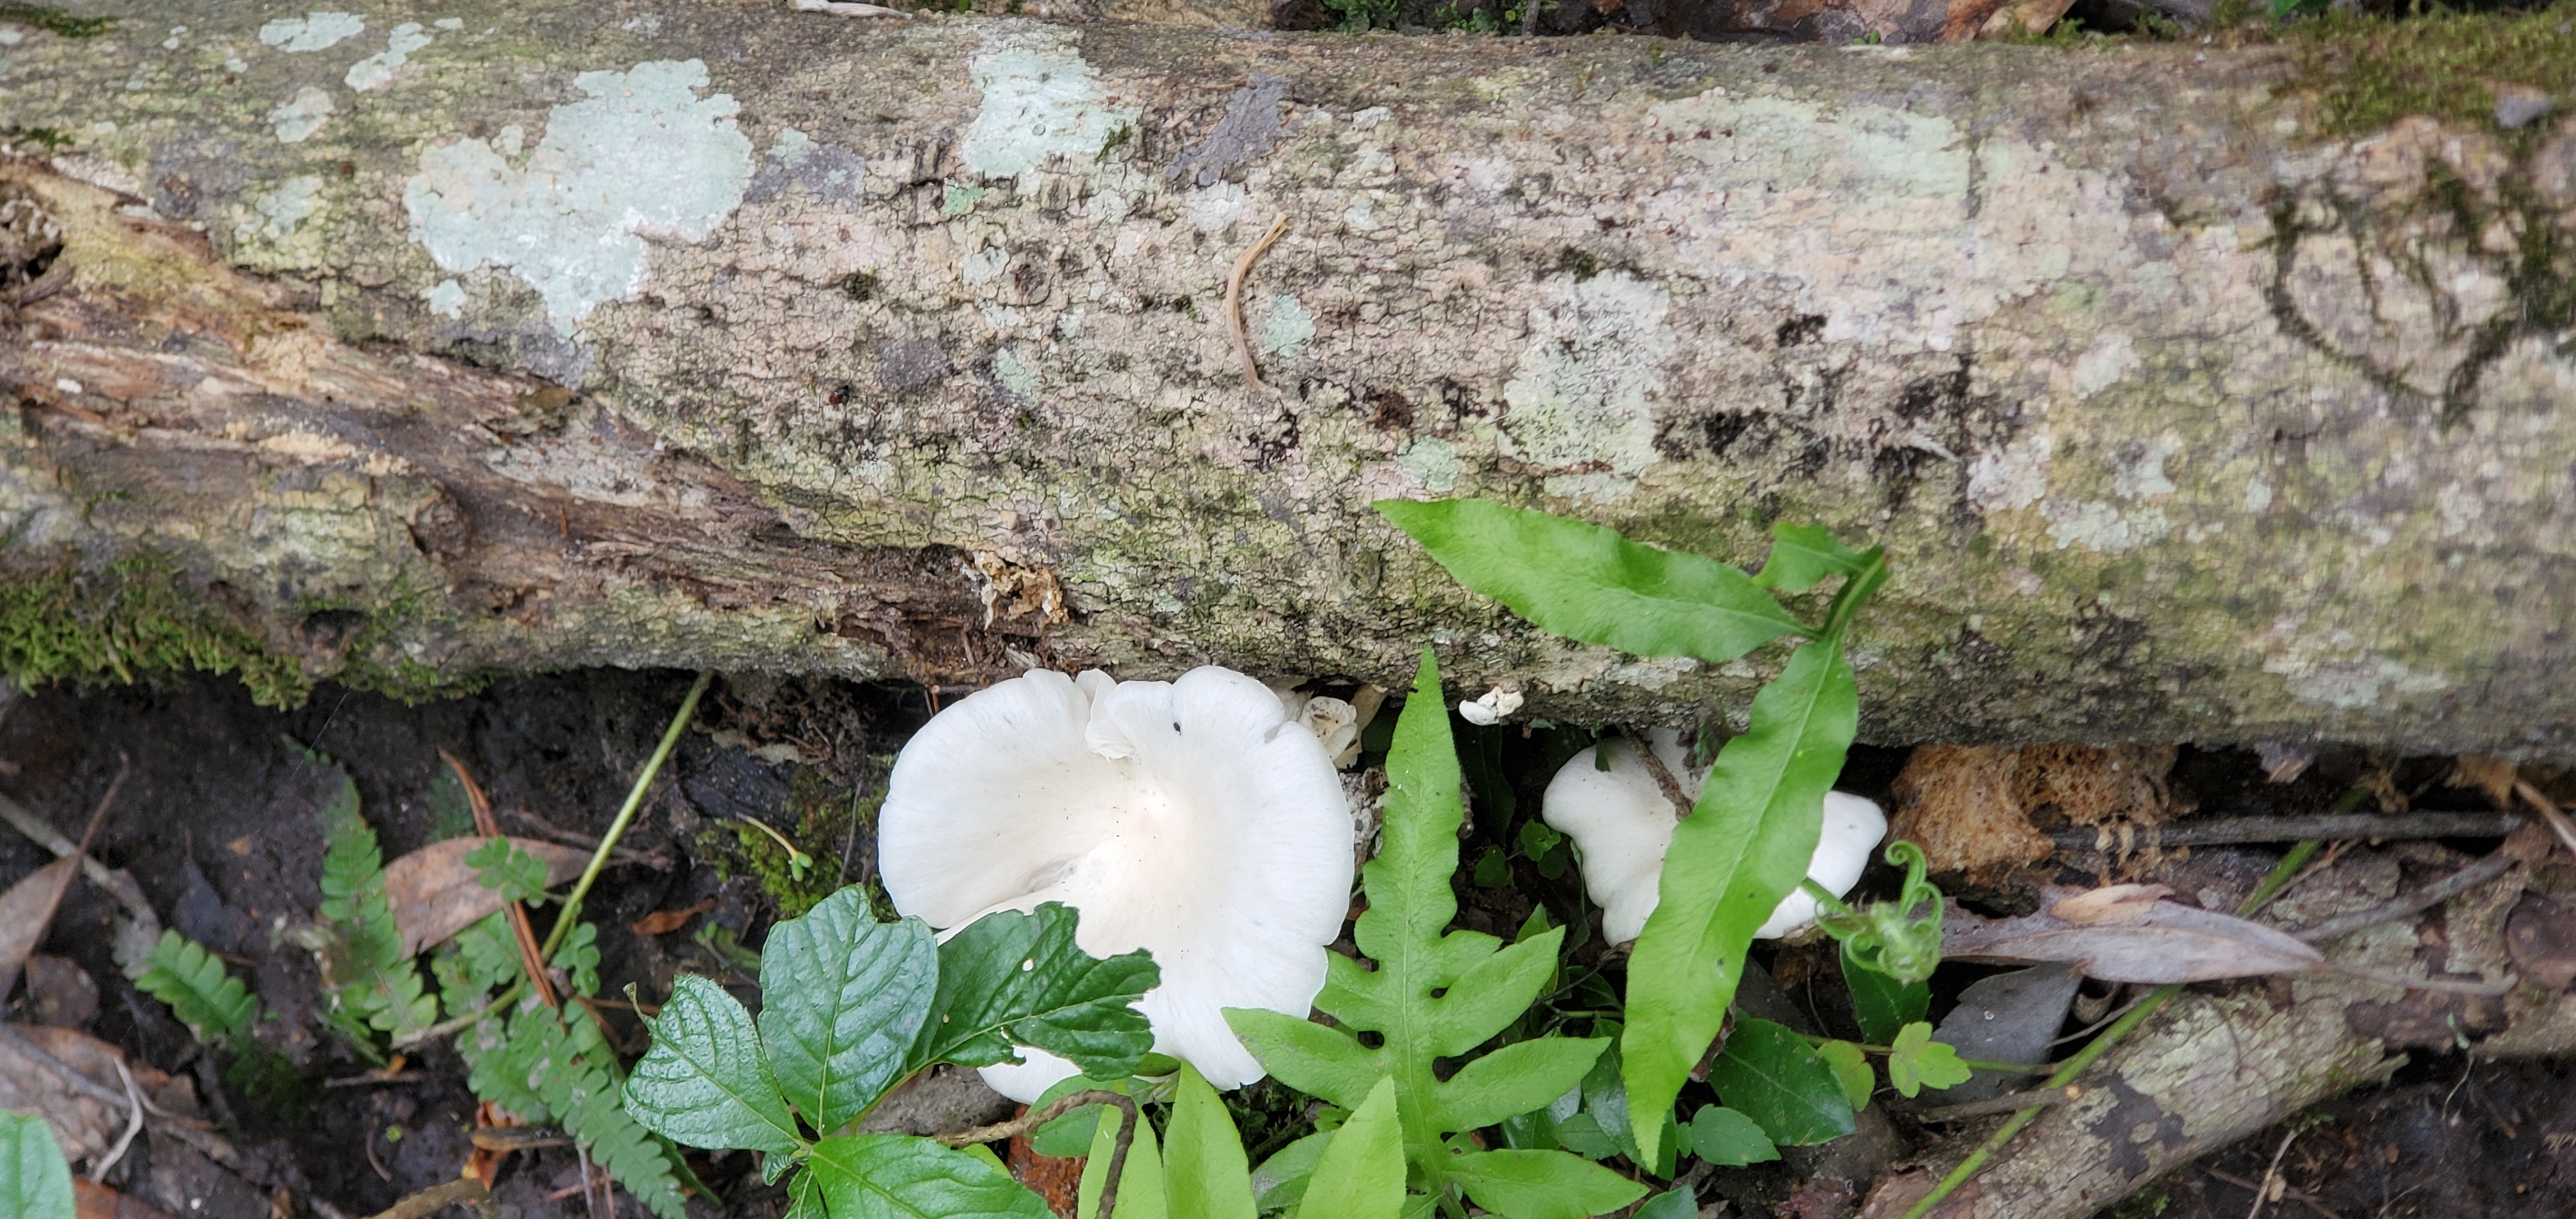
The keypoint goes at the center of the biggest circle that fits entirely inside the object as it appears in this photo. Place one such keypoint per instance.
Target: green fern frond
(213, 1004)
(373, 979)
(546, 1067)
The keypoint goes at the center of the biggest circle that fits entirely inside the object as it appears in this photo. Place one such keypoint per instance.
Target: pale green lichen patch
(447, 299)
(1015, 375)
(1041, 100)
(1287, 327)
(279, 211)
(302, 115)
(1580, 401)
(643, 156)
(377, 70)
(313, 31)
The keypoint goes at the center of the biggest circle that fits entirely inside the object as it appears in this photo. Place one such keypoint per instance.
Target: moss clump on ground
(53, 20)
(124, 621)
(830, 825)
(2367, 73)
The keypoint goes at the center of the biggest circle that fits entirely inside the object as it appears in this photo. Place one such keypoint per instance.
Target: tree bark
(697, 334)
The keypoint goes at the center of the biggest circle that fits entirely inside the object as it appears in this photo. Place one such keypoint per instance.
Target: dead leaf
(239, 846)
(2029, 18)
(62, 993)
(2110, 903)
(27, 909)
(84, 1126)
(664, 922)
(2487, 773)
(92, 1200)
(2009, 1017)
(436, 894)
(2156, 943)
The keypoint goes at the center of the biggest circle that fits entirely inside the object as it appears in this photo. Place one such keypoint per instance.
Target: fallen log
(2198, 393)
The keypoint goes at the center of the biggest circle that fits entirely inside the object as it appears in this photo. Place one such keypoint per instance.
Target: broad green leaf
(1582, 1135)
(35, 1183)
(1588, 583)
(1745, 845)
(1851, 1070)
(1011, 978)
(1281, 1179)
(1204, 1172)
(1916, 1062)
(1605, 1102)
(1671, 1204)
(1435, 994)
(804, 1194)
(1361, 1173)
(704, 1082)
(898, 1176)
(1802, 556)
(1773, 1076)
(843, 998)
(1544, 1185)
(214, 1005)
(1881, 1003)
(1725, 1137)
(1142, 1191)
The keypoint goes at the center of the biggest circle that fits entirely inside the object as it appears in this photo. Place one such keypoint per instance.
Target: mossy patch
(53, 20)
(2367, 73)
(127, 620)
(828, 824)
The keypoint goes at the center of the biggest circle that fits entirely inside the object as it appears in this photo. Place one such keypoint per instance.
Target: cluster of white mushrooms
(1203, 819)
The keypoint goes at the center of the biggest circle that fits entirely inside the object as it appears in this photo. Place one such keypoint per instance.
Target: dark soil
(217, 823)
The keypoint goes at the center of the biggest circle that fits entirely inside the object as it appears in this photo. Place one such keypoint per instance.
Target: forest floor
(217, 822)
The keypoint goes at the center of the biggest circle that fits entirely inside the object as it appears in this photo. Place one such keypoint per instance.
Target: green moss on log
(2368, 73)
(128, 620)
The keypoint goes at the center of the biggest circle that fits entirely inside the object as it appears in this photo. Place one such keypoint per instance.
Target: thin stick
(1035, 1118)
(634, 800)
(2549, 812)
(2011, 1103)
(43, 834)
(2271, 1175)
(430, 1201)
(489, 827)
(2387, 827)
(89, 834)
(458, 1024)
(2457, 883)
(1234, 300)
(133, 1124)
(1664, 779)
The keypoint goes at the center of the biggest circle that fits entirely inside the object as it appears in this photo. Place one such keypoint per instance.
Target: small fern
(374, 985)
(214, 1005)
(550, 1066)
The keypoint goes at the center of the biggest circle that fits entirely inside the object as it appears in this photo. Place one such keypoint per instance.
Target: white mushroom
(1622, 822)
(1191, 818)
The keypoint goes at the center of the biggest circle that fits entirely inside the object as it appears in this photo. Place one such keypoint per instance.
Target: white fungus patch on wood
(1041, 100)
(313, 31)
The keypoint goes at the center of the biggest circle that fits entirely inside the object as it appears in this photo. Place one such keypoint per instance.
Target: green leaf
(1361, 1173)
(1725, 1137)
(1436, 994)
(1012, 978)
(1773, 1076)
(1851, 1070)
(1802, 556)
(704, 1082)
(502, 867)
(1745, 845)
(1141, 1188)
(372, 979)
(1544, 1185)
(1881, 1003)
(35, 1182)
(1590, 584)
(899, 1176)
(843, 999)
(214, 1005)
(1916, 1062)
(1671, 1204)
(1281, 1179)
(578, 957)
(1204, 1172)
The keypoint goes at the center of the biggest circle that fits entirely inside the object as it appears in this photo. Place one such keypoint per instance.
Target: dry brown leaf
(60, 991)
(2030, 18)
(663, 922)
(436, 894)
(2154, 943)
(92, 1200)
(2493, 775)
(2110, 903)
(85, 1127)
(27, 909)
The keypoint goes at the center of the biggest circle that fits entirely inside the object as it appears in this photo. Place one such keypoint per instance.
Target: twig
(2012, 1102)
(89, 834)
(133, 1124)
(38, 831)
(489, 827)
(1234, 300)
(2549, 812)
(430, 1201)
(2444, 986)
(2300, 1196)
(2493, 865)
(616, 829)
(1035, 1118)
(2271, 1175)
(1663, 774)
(456, 1024)
(212, 1147)
(373, 1080)
(2225, 831)
(372, 1161)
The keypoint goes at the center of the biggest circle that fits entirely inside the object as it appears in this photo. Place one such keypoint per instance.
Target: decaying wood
(719, 335)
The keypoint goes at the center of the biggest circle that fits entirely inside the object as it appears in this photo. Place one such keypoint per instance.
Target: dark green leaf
(35, 1183)
(843, 998)
(1802, 556)
(1011, 978)
(1725, 1137)
(1281, 1179)
(1671, 1204)
(1915, 1062)
(1204, 1174)
(1492, 868)
(1773, 1076)
(898, 1176)
(1543, 1185)
(1361, 1172)
(1582, 1135)
(704, 1083)
(1881, 1003)
(1743, 848)
(1587, 583)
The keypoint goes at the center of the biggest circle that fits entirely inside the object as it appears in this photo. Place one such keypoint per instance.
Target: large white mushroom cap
(1191, 818)
(1622, 823)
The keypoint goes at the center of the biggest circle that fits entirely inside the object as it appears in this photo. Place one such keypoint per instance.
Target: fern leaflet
(213, 1004)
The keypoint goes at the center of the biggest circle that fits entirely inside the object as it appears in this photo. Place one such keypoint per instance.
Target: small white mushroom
(1192, 818)
(1493, 706)
(1621, 822)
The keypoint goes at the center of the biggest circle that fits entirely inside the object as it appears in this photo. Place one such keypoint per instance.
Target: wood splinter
(1234, 300)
